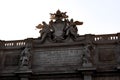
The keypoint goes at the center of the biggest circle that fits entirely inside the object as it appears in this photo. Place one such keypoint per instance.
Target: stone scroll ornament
(59, 28)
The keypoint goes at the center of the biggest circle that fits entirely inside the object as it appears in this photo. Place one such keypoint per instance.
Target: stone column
(87, 75)
(24, 76)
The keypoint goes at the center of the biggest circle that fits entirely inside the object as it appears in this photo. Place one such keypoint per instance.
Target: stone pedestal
(87, 72)
(87, 77)
(87, 65)
(24, 75)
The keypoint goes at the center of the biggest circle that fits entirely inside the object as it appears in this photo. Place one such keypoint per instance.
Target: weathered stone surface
(61, 54)
(57, 59)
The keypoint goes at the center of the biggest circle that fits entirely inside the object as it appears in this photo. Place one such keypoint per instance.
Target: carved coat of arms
(59, 28)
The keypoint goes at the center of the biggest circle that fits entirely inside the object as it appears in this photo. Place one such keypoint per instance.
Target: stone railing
(105, 38)
(14, 43)
(109, 37)
(88, 37)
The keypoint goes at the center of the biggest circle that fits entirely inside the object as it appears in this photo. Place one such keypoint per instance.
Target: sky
(18, 18)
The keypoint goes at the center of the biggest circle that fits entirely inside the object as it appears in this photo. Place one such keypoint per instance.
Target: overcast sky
(18, 18)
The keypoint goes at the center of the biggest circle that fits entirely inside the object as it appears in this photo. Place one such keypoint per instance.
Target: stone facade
(60, 54)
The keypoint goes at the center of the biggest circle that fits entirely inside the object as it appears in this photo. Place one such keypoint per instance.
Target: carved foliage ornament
(59, 28)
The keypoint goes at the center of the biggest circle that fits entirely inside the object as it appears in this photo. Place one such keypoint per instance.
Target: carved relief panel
(11, 59)
(106, 57)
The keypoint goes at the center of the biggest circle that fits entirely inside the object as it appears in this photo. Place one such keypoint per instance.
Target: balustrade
(14, 43)
(109, 37)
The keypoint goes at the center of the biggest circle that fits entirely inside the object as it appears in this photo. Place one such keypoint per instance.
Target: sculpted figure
(84, 59)
(45, 30)
(87, 55)
(24, 57)
(72, 29)
(59, 29)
